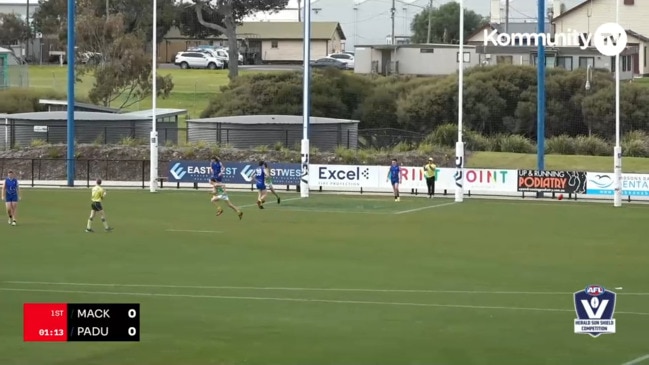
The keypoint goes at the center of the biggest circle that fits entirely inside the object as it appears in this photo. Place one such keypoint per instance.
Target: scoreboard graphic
(68, 322)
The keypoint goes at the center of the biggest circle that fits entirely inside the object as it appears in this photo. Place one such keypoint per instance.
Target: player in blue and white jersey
(394, 178)
(260, 182)
(11, 195)
(217, 168)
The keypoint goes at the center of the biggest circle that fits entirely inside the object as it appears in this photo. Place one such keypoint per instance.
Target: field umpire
(429, 173)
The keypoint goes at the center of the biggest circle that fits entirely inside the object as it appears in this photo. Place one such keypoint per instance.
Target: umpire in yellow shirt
(430, 170)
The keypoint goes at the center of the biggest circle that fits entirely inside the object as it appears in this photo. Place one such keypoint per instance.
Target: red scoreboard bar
(66, 322)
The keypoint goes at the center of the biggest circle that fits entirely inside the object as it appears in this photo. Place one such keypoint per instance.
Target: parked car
(212, 53)
(329, 62)
(218, 53)
(346, 58)
(197, 60)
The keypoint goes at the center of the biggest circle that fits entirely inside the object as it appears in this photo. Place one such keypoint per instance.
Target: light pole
(153, 159)
(589, 78)
(430, 19)
(459, 146)
(617, 151)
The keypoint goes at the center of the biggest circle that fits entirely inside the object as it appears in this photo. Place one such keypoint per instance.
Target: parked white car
(346, 58)
(218, 53)
(187, 60)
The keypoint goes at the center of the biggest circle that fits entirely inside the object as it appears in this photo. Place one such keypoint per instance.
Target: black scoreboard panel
(103, 322)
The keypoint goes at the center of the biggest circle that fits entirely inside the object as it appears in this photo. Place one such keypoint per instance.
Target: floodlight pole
(540, 91)
(617, 151)
(306, 101)
(459, 146)
(153, 164)
(71, 104)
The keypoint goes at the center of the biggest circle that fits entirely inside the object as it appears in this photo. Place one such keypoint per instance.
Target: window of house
(565, 63)
(584, 62)
(274, 44)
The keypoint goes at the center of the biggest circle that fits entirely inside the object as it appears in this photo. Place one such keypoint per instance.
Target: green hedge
(634, 144)
(21, 100)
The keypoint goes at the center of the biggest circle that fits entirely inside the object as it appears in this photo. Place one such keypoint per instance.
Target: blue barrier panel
(235, 172)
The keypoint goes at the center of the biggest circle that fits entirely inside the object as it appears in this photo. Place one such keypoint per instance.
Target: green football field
(329, 279)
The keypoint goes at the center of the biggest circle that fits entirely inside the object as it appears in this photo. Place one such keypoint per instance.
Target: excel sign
(235, 172)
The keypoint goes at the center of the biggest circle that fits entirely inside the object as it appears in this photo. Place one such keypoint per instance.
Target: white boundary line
(270, 288)
(191, 231)
(638, 360)
(424, 208)
(254, 205)
(302, 300)
(315, 210)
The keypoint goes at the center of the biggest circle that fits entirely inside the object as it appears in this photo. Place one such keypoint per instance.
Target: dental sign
(610, 39)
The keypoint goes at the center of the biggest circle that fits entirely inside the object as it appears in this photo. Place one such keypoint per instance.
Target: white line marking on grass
(254, 205)
(638, 360)
(301, 300)
(424, 208)
(316, 210)
(191, 231)
(270, 288)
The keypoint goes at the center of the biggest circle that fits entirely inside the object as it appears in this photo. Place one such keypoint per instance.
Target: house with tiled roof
(583, 18)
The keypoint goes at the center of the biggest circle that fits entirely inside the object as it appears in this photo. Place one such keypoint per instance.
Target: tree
(445, 24)
(51, 16)
(13, 29)
(231, 13)
(123, 74)
(336, 94)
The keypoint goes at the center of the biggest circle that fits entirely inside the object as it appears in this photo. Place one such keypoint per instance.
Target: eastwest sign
(610, 39)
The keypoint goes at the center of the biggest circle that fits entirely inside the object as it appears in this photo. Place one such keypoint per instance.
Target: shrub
(475, 141)
(129, 142)
(261, 149)
(345, 154)
(635, 148)
(560, 145)
(515, 143)
(636, 136)
(20, 100)
(444, 135)
(592, 146)
(38, 143)
(635, 144)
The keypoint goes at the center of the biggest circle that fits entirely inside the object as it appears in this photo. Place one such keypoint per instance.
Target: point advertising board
(474, 179)
(601, 183)
(235, 172)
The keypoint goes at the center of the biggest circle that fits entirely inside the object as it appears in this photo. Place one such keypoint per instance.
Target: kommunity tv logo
(610, 39)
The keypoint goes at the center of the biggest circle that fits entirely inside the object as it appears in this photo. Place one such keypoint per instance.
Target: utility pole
(430, 17)
(29, 24)
(393, 11)
(108, 9)
(299, 10)
(506, 16)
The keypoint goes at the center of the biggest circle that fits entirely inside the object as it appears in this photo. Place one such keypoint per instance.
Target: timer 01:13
(54, 332)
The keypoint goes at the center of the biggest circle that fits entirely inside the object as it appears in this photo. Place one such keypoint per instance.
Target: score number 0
(132, 331)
